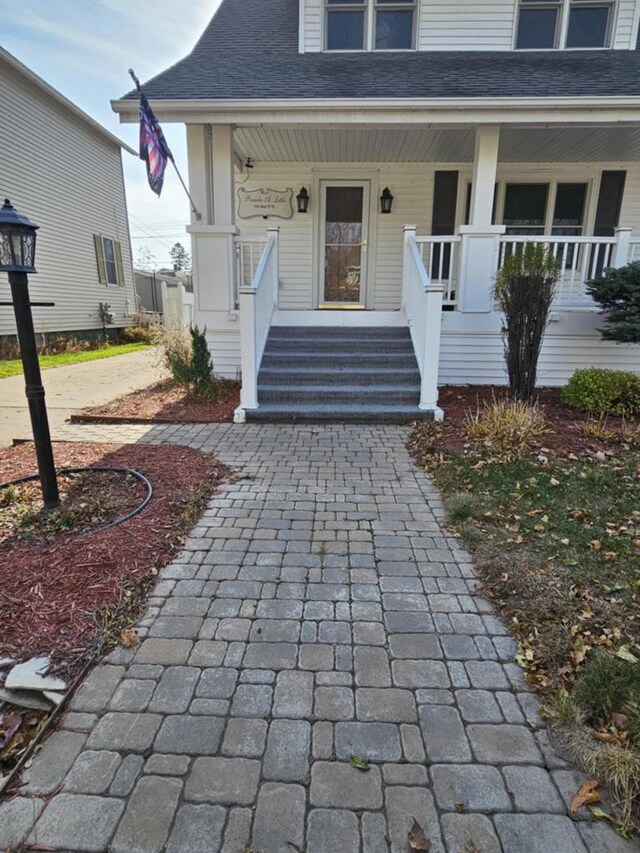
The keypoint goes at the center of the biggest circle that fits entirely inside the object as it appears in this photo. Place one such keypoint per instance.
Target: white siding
(626, 30)
(68, 178)
(466, 25)
(313, 13)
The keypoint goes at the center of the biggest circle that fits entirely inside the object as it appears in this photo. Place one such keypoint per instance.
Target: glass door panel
(344, 244)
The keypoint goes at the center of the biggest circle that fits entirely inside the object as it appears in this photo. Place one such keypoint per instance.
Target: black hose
(30, 477)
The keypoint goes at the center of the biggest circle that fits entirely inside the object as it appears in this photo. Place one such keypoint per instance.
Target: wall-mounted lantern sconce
(386, 201)
(303, 200)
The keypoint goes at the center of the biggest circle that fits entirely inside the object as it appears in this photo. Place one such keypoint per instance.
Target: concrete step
(314, 375)
(344, 413)
(339, 345)
(345, 360)
(347, 332)
(339, 394)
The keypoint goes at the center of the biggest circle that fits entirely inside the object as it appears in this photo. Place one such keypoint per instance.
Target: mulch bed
(564, 423)
(164, 402)
(71, 594)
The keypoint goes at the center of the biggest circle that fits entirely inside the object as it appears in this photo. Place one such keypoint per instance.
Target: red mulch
(64, 596)
(564, 423)
(164, 402)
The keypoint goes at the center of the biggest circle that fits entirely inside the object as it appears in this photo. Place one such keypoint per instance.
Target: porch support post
(213, 238)
(480, 240)
(622, 250)
(431, 360)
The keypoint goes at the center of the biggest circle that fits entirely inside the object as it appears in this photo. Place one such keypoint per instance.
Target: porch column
(211, 181)
(480, 243)
(622, 250)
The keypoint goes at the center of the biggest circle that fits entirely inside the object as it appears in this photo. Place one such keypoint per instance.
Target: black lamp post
(17, 258)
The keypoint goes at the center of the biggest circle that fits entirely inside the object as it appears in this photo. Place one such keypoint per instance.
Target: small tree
(180, 257)
(201, 366)
(617, 292)
(524, 291)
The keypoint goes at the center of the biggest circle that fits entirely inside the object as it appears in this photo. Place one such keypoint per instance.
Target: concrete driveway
(74, 387)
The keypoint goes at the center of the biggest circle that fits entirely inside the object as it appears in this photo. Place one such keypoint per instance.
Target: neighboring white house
(64, 171)
(489, 123)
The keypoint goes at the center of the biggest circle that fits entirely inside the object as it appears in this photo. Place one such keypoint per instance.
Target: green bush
(617, 292)
(604, 392)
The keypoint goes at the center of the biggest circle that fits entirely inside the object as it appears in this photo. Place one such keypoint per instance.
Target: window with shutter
(109, 260)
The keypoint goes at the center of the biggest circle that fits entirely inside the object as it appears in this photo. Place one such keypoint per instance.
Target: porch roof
(435, 145)
(249, 51)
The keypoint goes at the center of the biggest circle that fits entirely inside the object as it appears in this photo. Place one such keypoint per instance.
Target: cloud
(84, 50)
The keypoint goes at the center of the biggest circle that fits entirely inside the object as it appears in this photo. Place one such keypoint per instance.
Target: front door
(343, 243)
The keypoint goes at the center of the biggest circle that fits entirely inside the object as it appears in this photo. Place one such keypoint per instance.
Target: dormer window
(370, 24)
(550, 24)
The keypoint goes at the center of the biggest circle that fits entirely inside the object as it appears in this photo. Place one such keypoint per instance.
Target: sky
(84, 48)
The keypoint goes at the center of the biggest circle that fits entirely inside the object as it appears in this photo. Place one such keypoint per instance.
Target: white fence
(177, 306)
(257, 301)
(580, 259)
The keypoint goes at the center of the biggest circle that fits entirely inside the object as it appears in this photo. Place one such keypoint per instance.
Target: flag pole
(194, 209)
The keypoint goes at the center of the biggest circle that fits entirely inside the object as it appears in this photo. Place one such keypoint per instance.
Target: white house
(64, 171)
(488, 123)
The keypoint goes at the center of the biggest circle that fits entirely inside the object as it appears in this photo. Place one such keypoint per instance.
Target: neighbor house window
(548, 24)
(370, 24)
(109, 260)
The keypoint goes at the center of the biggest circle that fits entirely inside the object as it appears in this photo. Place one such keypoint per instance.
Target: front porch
(472, 196)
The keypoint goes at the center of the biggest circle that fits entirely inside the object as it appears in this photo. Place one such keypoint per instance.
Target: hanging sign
(265, 202)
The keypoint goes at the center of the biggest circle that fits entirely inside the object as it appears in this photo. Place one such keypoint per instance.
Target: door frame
(369, 182)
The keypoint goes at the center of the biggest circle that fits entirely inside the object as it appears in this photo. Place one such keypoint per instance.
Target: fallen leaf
(624, 654)
(129, 638)
(598, 812)
(460, 808)
(417, 839)
(586, 794)
(359, 763)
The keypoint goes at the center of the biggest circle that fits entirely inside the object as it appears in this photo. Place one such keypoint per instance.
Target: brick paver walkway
(318, 610)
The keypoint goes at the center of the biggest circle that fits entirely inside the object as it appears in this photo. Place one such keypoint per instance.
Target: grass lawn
(12, 367)
(555, 533)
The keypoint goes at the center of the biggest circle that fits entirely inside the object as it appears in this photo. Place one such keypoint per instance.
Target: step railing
(580, 260)
(440, 258)
(422, 303)
(258, 302)
(248, 255)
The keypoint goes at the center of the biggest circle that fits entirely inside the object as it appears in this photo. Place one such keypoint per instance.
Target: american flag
(153, 146)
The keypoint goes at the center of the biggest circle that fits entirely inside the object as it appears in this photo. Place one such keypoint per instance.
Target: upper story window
(549, 24)
(370, 24)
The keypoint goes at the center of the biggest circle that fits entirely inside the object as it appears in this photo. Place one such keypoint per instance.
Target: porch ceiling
(435, 145)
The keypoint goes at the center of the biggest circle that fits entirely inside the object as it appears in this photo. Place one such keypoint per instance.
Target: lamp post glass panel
(17, 258)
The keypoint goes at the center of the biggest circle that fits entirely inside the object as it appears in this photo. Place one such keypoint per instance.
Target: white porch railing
(580, 259)
(439, 256)
(248, 255)
(258, 301)
(422, 302)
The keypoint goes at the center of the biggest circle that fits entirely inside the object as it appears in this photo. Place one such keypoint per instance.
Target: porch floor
(355, 374)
